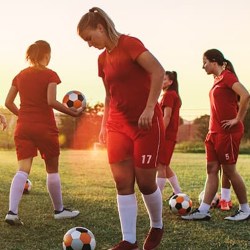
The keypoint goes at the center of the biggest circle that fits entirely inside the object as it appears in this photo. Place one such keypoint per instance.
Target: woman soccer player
(228, 104)
(170, 105)
(36, 128)
(132, 124)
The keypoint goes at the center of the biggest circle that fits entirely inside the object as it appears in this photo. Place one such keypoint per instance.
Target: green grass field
(87, 185)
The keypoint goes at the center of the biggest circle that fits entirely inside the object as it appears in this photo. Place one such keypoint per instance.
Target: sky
(177, 33)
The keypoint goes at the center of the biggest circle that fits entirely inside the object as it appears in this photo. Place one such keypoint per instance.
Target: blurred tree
(6, 136)
(82, 132)
(247, 126)
(202, 123)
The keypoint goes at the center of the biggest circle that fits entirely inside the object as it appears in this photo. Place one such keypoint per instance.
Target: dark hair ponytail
(175, 85)
(36, 51)
(229, 66)
(214, 55)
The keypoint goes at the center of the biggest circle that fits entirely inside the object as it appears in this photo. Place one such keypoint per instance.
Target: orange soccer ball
(75, 100)
(180, 204)
(79, 238)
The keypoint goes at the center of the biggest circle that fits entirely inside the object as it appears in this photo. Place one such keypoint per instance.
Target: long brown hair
(175, 85)
(97, 16)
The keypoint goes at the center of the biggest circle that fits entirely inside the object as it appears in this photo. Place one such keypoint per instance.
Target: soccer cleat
(125, 245)
(225, 205)
(197, 215)
(239, 216)
(65, 214)
(13, 219)
(153, 238)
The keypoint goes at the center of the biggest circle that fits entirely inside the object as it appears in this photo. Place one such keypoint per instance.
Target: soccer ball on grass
(27, 186)
(79, 238)
(180, 204)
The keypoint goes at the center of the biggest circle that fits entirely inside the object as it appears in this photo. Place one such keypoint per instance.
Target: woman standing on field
(132, 124)
(170, 105)
(228, 104)
(36, 128)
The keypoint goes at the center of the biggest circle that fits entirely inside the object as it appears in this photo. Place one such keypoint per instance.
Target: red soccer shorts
(125, 141)
(30, 138)
(167, 152)
(223, 148)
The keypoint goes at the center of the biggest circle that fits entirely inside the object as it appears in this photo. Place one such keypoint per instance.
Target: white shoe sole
(60, 216)
(13, 222)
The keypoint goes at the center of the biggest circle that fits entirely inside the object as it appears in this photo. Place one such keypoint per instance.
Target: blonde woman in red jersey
(132, 124)
(3, 121)
(170, 105)
(229, 102)
(36, 128)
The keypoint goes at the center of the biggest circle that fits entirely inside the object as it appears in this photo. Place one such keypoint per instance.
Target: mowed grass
(87, 185)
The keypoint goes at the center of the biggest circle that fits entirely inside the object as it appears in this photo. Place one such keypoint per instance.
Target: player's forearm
(243, 107)
(155, 88)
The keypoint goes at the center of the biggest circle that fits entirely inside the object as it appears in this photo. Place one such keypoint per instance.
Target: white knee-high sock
(54, 189)
(173, 181)
(153, 203)
(226, 194)
(127, 208)
(161, 182)
(16, 190)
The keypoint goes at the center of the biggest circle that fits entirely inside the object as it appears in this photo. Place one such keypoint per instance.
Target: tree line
(83, 132)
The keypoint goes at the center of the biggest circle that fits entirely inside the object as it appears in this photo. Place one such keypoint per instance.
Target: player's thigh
(169, 150)
(147, 147)
(48, 142)
(228, 147)
(25, 146)
(211, 154)
(119, 147)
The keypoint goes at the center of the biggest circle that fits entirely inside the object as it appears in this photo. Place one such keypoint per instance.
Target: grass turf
(87, 185)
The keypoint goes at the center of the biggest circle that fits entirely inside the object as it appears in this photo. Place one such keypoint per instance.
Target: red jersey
(32, 85)
(172, 100)
(127, 82)
(223, 103)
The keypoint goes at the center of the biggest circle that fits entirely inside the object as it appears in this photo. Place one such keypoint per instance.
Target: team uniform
(129, 85)
(222, 144)
(36, 127)
(170, 99)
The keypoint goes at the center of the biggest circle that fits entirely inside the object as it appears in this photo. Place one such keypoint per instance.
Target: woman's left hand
(226, 124)
(145, 120)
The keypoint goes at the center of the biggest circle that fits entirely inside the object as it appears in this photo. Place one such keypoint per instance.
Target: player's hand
(103, 136)
(226, 124)
(78, 112)
(145, 120)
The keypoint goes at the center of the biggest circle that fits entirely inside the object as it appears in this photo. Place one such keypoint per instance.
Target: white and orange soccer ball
(27, 186)
(215, 200)
(180, 204)
(79, 238)
(75, 100)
